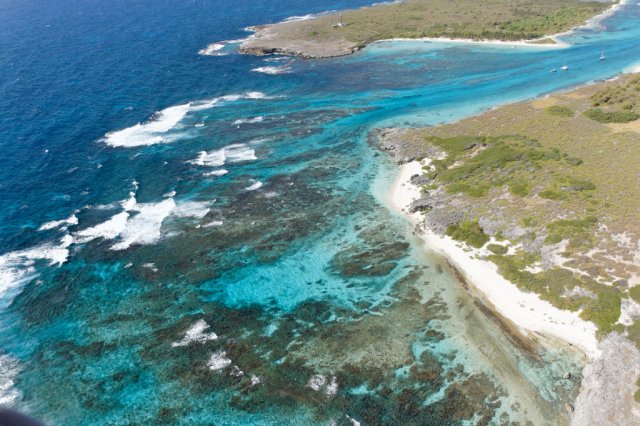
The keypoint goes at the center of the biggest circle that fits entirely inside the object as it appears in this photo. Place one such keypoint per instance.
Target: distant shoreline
(299, 37)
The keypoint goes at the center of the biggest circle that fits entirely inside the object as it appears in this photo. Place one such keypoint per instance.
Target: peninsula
(543, 194)
(339, 34)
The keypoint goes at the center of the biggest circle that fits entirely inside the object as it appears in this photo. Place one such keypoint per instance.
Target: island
(342, 33)
(537, 202)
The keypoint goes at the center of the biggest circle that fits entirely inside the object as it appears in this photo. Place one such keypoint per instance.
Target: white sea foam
(257, 184)
(216, 49)
(144, 227)
(196, 334)
(156, 129)
(212, 224)
(9, 369)
(218, 361)
(353, 421)
(278, 59)
(210, 159)
(106, 230)
(253, 120)
(299, 18)
(235, 153)
(285, 69)
(192, 209)
(236, 372)
(332, 388)
(18, 267)
(316, 382)
(319, 382)
(238, 153)
(255, 380)
(219, 172)
(213, 49)
(62, 224)
(141, 223)
(150, 132)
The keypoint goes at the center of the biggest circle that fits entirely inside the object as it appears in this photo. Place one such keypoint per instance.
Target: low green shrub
(468, 231)
(601, 116)
(604, 311)
(519, 188)
(551, 194)
(498, 249)
(559, 111)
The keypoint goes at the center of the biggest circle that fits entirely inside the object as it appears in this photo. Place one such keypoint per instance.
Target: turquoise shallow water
(226, 261)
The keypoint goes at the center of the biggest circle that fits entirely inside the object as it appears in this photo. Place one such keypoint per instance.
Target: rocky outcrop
(608, 386)
(276, 39)
(420, 205)
(401, 144)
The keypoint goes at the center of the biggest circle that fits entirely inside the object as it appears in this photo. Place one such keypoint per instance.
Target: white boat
(553, 70)
(602, 57)
(564, 68)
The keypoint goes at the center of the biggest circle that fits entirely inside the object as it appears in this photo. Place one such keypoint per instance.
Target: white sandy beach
(559, 44)
(525, 310)
(516, 43)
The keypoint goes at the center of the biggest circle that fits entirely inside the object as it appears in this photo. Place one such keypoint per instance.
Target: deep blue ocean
(202, 239)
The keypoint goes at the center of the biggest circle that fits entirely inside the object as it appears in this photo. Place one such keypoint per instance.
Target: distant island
(545, 193)
(342, 33)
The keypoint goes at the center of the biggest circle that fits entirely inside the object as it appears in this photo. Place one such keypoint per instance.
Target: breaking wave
(157, 129)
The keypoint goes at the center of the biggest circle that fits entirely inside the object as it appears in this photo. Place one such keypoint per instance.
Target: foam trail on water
(18, 267)
(196, 334)
(213, 49)
(191, 209)
(253, 120)
(150, 132)
(9, 369)
(218, 361)
(140, 223)
(156, 129)
(234, 153)
(62, 224)
(257, 184)
(273, 70)
(144, 228)
(219, 172)
(106, 230)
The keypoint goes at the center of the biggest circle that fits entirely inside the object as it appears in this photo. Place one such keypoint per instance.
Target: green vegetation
(469, 19)
(554, 285)
(519, 188)
(603, 311)
(553, 175)
(469, 232)
(559, 111)
(612, 116)
(623, 95)
(498, 249)
(474, 165)
(633, 331)
(579, 232)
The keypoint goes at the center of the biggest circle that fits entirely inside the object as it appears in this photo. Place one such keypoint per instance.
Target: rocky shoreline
(329, 35)
(266, 41)
(609, 379)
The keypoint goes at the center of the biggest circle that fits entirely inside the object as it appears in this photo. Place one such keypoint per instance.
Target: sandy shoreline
(516, 43)
(527, 311)
(264, 41)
